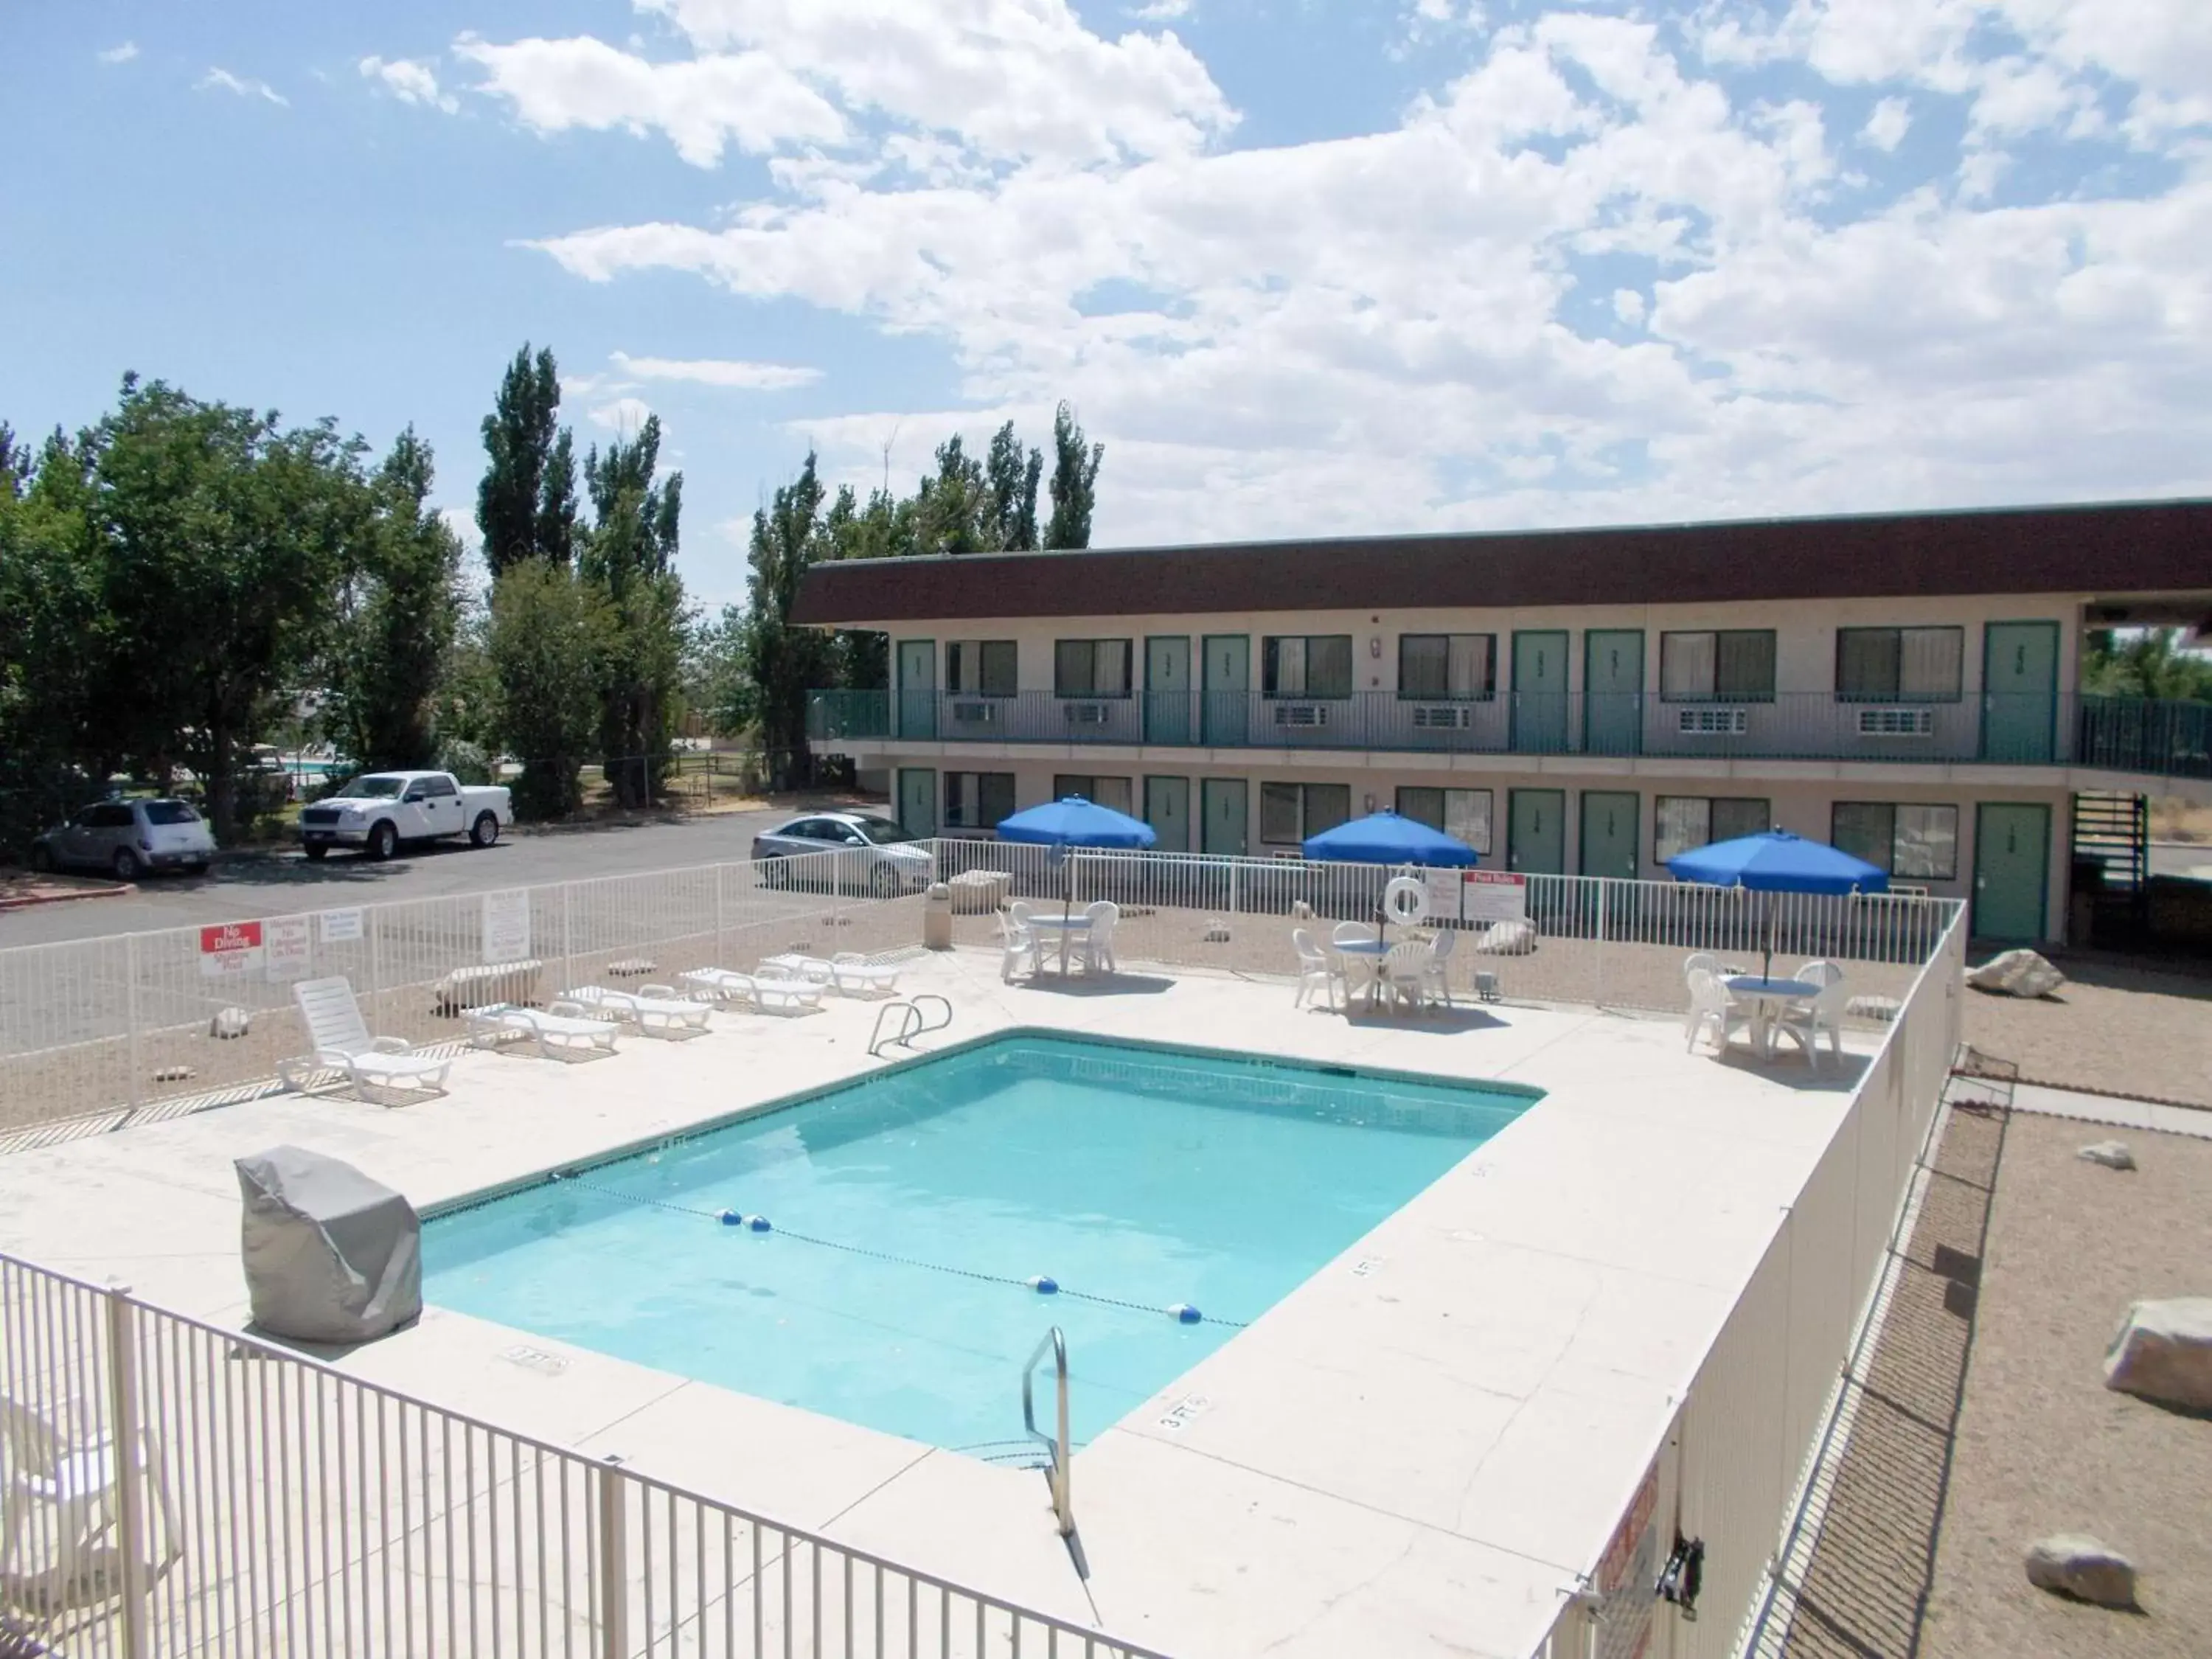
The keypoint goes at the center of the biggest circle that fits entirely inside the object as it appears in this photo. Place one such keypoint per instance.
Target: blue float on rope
(731, 1219)
(759, 1224)
(1043, 1285)
(1185, 1313)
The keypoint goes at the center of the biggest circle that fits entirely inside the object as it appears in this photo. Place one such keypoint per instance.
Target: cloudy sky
(1302, 264)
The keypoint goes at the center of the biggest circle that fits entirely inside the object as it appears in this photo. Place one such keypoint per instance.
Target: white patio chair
(1318, 967)
(1711, 1006)
(1404, 973)
(76, 1485)
(1697, 959)
(342, 1043)
(766, 994)
(1438, 985)
(1021, 942)
(655, 1010)
(1803, 1022)
(560, 1031)
(854, 976)
(1094, 946)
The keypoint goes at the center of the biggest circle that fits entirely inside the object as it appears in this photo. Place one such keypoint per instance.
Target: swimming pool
(906, 1213)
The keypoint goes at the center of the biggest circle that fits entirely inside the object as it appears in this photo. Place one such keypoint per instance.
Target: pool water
(906, 1211)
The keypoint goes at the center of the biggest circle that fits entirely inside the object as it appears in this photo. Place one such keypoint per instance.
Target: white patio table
(1370, 953)
(1768, 998)
(1067, 928)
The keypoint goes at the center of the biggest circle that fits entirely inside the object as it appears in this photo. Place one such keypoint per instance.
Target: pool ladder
(1055, 1444)
(912, 1022)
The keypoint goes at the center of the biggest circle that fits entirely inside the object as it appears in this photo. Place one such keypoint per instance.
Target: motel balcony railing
(2122, 734)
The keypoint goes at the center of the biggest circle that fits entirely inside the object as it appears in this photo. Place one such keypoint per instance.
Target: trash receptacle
(936, 918)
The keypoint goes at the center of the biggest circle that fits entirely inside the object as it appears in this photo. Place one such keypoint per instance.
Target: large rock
(2016, 973)
(2163, 1351)
(1506, 938)
(2073, 1564)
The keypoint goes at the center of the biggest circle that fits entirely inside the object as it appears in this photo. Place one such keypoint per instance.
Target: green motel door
(2020, 691)
(1167, 690)
(1222, 811)
(1613, 692)
(1540, 693)
(917, 689)
(1226, 714)
(1167, 809)
(917, 800)
(1609, 832)
(2012, 869)
(1535, 832)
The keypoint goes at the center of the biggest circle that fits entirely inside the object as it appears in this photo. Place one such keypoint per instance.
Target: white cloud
(1395, 330)
(623, 415)
(222, 80)
(122, 54)
(718, 372)
(1164, 11)
(1886, 128)
(410, 81)
(749, 99)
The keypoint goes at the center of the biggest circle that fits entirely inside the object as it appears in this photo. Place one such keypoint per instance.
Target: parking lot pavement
(275, 883)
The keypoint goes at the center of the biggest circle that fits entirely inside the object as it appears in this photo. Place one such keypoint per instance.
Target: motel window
(1899, 664)
(1090, 668)
(977, 800)
(1447, 667)
(1727, 665)
(979, 668)
(1462, 814)
(1306, 665)
(1288, 812)
(1682, 824)
(1099, 792)
(1919, 843)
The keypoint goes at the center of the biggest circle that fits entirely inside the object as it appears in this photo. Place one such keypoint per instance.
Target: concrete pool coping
(1416, 1451)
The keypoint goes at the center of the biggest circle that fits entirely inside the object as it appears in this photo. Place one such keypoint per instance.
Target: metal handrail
(927, 1026)
(1062, 1506)
(913, 1023)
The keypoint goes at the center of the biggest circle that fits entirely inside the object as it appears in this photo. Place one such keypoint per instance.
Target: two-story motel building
(1590, 702)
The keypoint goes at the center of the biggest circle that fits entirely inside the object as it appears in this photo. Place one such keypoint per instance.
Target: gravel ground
(2114, 1027)
(2042, 1445)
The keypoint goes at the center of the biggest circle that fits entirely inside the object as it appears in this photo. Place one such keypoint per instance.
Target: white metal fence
(100, 1033)
(1749, 1428)
(191, 1490)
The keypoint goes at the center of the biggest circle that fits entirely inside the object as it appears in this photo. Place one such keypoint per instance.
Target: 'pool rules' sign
(1478, 895)
(230, 949)
(506, 925)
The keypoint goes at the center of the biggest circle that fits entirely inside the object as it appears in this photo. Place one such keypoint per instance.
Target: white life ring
(1406, 901)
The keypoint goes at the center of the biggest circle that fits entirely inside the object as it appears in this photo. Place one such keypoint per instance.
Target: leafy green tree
(629, 552)
(526, 502)
(547, 642)
(53, 639)
(1074, 483)
(781, 662)
(2146, 663)
(222, 536)
(1013, 479)
(397, 607)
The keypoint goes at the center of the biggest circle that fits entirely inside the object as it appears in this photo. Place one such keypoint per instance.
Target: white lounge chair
(1803, 1022)
(560, 1031)
(765, 993)
(1094, 945)
(854, 976)
(655, 1010)
(1711, 1005)
(76, 1486)
(342, 1043)
(1317, 968)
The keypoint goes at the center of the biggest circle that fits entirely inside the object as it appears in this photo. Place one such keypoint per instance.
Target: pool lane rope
(1037, 1284)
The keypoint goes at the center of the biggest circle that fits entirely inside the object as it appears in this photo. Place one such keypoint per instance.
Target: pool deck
(1415, 1453)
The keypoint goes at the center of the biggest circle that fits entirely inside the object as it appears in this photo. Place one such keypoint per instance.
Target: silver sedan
(857, 851)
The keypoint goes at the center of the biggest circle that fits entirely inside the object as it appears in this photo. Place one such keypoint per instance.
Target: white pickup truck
(377, 810)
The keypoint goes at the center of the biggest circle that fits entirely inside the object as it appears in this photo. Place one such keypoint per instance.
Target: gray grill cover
(330, 1255)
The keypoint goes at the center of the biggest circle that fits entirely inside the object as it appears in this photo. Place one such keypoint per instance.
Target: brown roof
(2152, 547)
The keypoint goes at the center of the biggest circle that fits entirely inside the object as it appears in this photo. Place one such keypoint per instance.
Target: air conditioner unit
(1706, 721)
(1897, 722)
(1442, 717)
(1302, 713)
(1088, 714)
(975, 714)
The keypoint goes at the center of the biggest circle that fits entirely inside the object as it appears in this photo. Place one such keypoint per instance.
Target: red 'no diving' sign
(230, 948)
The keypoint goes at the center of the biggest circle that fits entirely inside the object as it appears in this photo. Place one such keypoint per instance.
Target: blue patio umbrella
(1073, 821)
(1775, 861)
(1385, 838)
